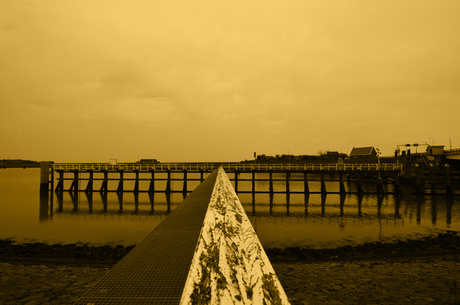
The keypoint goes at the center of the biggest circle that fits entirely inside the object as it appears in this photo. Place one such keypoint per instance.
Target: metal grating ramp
(155, 271)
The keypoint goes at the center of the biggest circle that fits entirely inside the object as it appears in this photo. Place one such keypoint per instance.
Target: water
(308, 221)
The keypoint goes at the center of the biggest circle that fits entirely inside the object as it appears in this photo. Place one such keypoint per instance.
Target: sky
(86, 81)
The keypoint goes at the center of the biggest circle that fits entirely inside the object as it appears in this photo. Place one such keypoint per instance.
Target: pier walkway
(204, 252)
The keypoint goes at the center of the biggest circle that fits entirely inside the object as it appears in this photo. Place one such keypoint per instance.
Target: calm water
(314, 221)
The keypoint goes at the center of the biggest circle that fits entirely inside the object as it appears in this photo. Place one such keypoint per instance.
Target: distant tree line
(18, 163)
(329, 155)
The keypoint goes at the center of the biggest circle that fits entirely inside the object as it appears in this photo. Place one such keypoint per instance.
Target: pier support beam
(288, 189)
(184, 189)
(359, 180)
(341, 184)
(236, 181)
(306, 188)
(253, 183)
(433, 180)
(136, 182)
(44, 176)
(397, 184)
(380, 189)
(449, 190)
(168, 183)
(74, 186)
(105, 182)
(152, 181)
(120, 183)
(89, 186)
(60, 185)
(323, 184)
(271, 189)
(419, 182)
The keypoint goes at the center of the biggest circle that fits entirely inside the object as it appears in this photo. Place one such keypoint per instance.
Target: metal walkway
(156, 270)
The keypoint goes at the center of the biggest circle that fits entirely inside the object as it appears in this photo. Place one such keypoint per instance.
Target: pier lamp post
(378, 163)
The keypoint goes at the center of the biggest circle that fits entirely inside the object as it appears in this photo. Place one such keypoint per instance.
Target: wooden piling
(184, 189)
(236, 181)
(136, 182)
(74, 186)
(306, 188)
(288, 189)
(380, 189)
(396, 184)
(152, 200)
(341, 184)
(120, 183)
(168, 183)
(44, 176)
(342, 204)
(323, 184)
(253, 183)
(136, 202)
(271, 189)
(89, 198)
(360, 183)
(433, 180)
(104, 201)
(89, 186)
(105, 182)
(152, 181)
(60, 185)
(449, 190)
(419, 182)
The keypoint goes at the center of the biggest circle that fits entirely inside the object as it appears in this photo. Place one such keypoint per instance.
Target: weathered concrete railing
(230, 265)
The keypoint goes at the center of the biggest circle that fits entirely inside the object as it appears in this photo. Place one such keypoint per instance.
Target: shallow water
(309, 221)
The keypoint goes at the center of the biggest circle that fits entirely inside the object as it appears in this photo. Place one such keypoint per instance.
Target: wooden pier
(196, 172)
(385, 178)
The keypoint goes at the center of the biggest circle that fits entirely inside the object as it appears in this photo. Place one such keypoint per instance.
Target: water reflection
(281, 220)
(418, 207)
(104, 202)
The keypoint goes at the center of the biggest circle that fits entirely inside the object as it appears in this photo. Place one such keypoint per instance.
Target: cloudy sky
(85, 81)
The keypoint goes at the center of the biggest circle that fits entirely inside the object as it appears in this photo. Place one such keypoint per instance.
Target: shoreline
(425, 271)
(443, 244)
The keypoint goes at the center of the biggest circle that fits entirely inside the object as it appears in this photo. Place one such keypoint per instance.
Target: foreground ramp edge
(155, 271)
(230, 265)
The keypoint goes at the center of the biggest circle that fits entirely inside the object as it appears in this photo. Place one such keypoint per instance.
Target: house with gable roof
(363, 152)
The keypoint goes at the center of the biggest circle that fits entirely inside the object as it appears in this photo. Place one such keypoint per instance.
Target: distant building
(363, 152)
(149, 161)
(437, 150)
(333, 154)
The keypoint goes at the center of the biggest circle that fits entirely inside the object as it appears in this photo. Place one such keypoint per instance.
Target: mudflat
(408, 272)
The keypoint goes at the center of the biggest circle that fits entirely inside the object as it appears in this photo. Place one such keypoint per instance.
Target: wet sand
(410, 272)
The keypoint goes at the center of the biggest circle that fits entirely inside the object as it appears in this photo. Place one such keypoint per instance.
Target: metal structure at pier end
(204, 252)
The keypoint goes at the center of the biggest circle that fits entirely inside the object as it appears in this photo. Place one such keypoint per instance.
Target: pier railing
(229, 167)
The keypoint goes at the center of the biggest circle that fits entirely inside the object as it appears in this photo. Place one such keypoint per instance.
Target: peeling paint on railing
(230, 265)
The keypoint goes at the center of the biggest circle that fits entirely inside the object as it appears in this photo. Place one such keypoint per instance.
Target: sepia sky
(85, 81)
